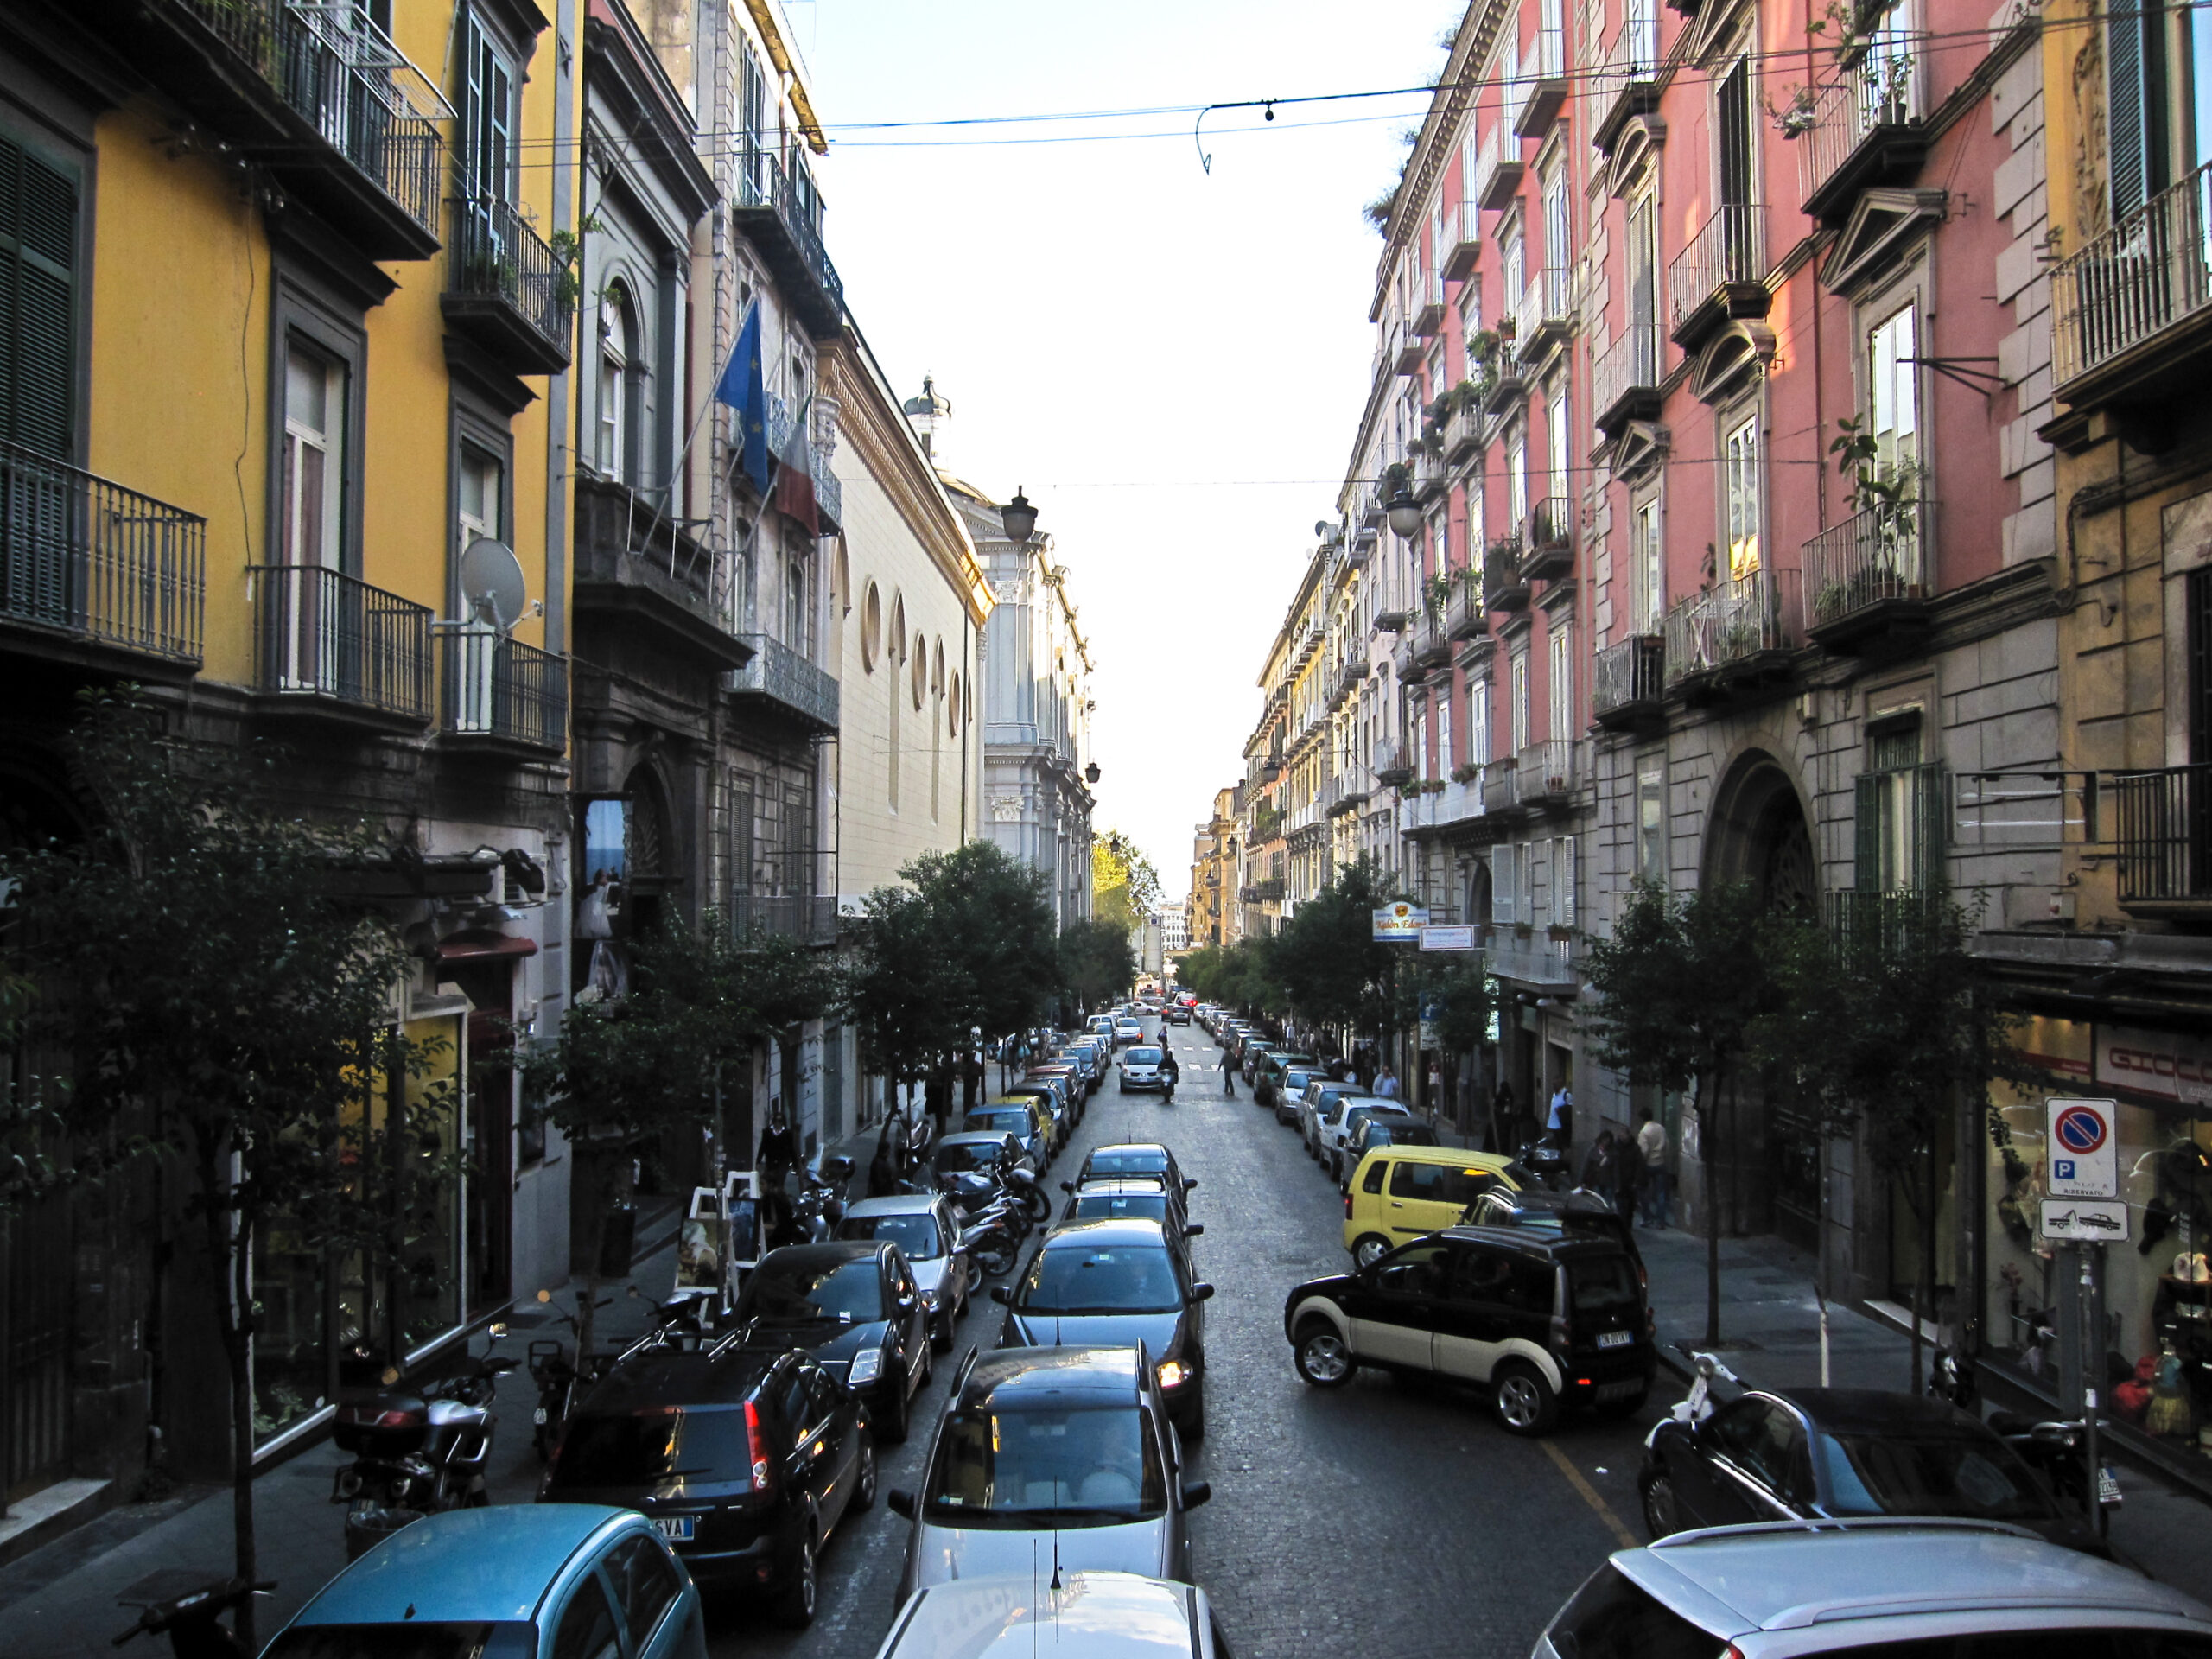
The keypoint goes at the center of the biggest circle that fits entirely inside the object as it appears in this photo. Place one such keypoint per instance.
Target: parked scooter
(1545, 1161)
(416, 1451)
(2052, 1449)
(821, 1203)
(189, 1620)
(560, 1383)
(1698, 1404)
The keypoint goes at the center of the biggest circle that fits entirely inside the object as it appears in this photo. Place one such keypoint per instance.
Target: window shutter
(38, 223)
(1867, 827)
(1930, 825)
(2135, 106)
(1563, 898)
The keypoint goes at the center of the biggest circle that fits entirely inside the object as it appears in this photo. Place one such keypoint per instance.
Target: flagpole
(676, 469)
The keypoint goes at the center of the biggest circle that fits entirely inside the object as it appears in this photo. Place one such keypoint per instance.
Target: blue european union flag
(742, 388)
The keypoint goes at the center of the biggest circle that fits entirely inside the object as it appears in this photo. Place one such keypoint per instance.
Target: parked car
(1045, 1455)
(1291, 1092)
(1134, 1158)
(746, 1459)
(1031, 1123)
(1052, 1092)
(1177, 1015)
(1579, 1212)
(1269, 1076)
(988, 1152)
(924, 1228)
(1338, 1137)
(554, 1578)
(1127, 1031)
(1140, 1070)
(1077, 1616)
(1844, 1451)
(1888, 1587)
(1385, 1130)
(1117, 1197)
(1128, 1281)
(1323, 1104)
(1254, 1056)
(1540, 1322)
(1402, 1193)
(854, 1304)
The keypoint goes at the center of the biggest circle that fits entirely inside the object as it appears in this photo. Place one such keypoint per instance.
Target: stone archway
(1759, 832)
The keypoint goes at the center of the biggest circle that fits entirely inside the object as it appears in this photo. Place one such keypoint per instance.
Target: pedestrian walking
(1655, 1210)
(1598, 1167)
(1228, 1077)
(1435, 1090)
(1559, 1125)
(1386, 1083)
(1500, 1116)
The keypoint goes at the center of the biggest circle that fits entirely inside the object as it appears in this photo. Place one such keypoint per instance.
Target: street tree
(1097, 961)
(226, 1013)
(1684, 986)
(1333, 971)
(1124, 887)
(1453, 987)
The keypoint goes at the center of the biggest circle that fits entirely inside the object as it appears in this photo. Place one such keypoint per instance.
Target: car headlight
(1174, 1373)
(867, 1365)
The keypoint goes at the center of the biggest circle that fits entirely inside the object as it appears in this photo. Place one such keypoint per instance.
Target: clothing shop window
(1740, 464)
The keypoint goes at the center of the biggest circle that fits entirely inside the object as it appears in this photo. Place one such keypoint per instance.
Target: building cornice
(779, 53)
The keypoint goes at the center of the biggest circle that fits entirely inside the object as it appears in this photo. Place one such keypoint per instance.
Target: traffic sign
(2083, 1150)
(2085, 1220)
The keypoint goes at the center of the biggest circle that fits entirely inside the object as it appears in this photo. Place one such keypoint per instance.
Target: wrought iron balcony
(1868, 576)
(1734, 629)
(1461, 248)
(1545, 315)
(1628, 83)
(1269, 892)
(1413, 351)
(1432, 647)
(1428, 310)
(1505, 589)
(1404, 665)
(634, 569)
(343, 120)
(1463, 431)
(783, 225)
(1548, 551)
(1626, 378)
(1464, 615)
(1541, 87)
(87, 562)
(505, 286)
(1881, 922)
(781, 681)
(829, 491)
(500, 693)
(2135, 305)
(1393, 765)
(1629, 682)
(1721, 274)
(324, 642)
(1551, 772)
(806, 918)
(1538, 960)
(1429, 480)
(1499, 167)
(2164, 832)
(1863, 130)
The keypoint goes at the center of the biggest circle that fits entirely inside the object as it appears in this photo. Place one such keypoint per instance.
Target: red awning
(481, 944)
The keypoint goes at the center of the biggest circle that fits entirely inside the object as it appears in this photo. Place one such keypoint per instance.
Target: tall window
(1516, 479)
(487, 160)
(479, 495)
(1444, 762)
(1559, 680)
(759, 153)
(314, 459)
(1652, 823)
(1478, 720)
(1558, 232)
(1556, 431)
(1900, 814)
(1648, 578)
(38, 303)
(1519, 693)
(1740, 462)
(1513, 269)
(1894, 393)
(799, 601)
(1563, 880)
(614, 391)
(1643, 289)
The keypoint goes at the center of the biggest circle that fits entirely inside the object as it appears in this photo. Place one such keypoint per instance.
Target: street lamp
(1019, 517)
(1404, 514)
(1091, 772)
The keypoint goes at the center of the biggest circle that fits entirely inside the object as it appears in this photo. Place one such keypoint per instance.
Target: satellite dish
(491, 582)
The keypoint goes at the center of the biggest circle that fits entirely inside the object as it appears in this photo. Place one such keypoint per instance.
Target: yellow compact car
(1401, 1193)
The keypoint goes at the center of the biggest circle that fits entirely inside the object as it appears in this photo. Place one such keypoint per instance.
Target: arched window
(616, 353)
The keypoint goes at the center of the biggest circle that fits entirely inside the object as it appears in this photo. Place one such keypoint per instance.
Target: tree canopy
(1124, 887)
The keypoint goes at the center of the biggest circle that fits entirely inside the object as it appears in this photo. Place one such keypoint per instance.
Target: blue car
(524, 1581)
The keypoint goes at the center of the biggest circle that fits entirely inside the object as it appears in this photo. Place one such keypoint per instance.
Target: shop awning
(481, 945)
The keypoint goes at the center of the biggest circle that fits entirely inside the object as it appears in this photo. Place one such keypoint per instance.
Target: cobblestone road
(1386, 1518)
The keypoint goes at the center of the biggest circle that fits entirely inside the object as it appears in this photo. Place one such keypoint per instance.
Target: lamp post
(1404, 514)
(1017, 517)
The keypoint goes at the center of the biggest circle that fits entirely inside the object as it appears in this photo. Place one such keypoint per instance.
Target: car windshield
(955, 1155)
(413, 1641)
(1078, 1279)
(1116, 1207)
(1095, 1466)
(916, 1234)
(1127, 1161)
(1141, 1056)
(1012, 1119)
(1602, 1284)
(1893, 1473)
(646, 1448)
(791, 1292)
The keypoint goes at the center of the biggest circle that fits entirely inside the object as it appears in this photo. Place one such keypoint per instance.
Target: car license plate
(1615, 1338)
(676, 1529)
(539, 1416)
(1620, 1390)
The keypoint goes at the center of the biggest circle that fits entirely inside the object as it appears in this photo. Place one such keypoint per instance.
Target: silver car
(1322, 1114)
(922, 1224)
(1892, 1586)
(1082, 1616)
(1049, 1454)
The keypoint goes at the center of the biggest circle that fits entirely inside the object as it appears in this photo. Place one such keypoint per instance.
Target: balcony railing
(1628, 83)
(1864, 128)
(1463, 431)
(1547, 553)
(1505, 589)
(2164, 823)
(2129, 288)
(1269, 892)
(322, 638)
(341, 74)
(1393, 765)
(1464, 615)
(1729, 624)
(1629, 680)
(1498, 167)
(503, 279)
(1882, 922)
(89, 558)
(1546, 311)
(1429, 313)
(1554, 770)
(828, 493)
(782, 225)
(1541, 87)
(1498, 779)
(1432, 648)
(1461, 248)
(783, 680)
(806, 918)
(1721, 274)
(502, 690)
(1457, 803)
(1868, 567)
(1625, 381)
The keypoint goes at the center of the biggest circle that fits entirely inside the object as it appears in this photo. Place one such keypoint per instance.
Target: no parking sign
(2083, 1150)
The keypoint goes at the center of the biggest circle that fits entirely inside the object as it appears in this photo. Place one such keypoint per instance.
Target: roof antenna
(1056, 1558)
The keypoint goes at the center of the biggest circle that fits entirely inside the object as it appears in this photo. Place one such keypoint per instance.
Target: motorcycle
(821, 1203)
(559, 1383)
(416, 1451)
(189, 1620)
(1021, 1187)
(1952, 1378)
(2053, 1449)
(1698, 1404)
(1545, 1161)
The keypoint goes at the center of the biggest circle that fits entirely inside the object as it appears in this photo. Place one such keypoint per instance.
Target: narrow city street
(1389, 1517)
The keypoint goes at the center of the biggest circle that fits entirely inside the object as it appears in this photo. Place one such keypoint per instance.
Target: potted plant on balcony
(1435, 596)
(1397, 480)
(1466, 771)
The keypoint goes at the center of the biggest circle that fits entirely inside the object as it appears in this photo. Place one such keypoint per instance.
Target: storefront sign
(1401, 923)
(2085, 1220)
(1431, 1015)
(2162, 1065)
(1440, 938)
(2083, 1149)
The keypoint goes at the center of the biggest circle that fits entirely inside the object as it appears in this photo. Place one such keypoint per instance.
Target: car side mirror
(907, 1302)
(1191, 1230)
(1002, 1293)
(1201, 1292)
(1067, 1186)
(901, 1501)
(1196, 1492)
(1189, 1181)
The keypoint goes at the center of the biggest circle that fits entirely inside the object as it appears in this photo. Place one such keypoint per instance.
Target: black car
(1134, 1158)
(1543, 1322)
(853, 1304)
(1129, 1197)
(1578, 1214)
(747, 1460)
(1104, 1282)
(1844, 1451)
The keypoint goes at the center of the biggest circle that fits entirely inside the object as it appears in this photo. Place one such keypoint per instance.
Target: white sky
(1172, 364)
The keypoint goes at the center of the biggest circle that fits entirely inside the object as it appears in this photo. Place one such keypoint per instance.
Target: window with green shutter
(38, 302)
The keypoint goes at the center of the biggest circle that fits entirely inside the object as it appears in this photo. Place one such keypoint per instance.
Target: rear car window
(849, 1291)
(645, 1448)
(916, 1234)
(1114, 1206)
(644, 1584)
(1602, 1284)
(2086, 1643)
(500, 1641)
(1612, 1618)
(1439, 1183)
